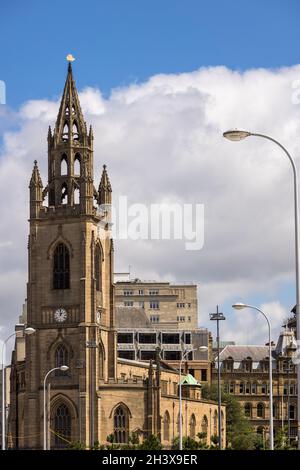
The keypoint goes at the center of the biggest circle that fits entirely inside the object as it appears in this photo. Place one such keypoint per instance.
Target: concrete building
(162, 302)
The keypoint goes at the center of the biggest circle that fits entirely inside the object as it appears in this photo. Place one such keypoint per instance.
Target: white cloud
(162, 140)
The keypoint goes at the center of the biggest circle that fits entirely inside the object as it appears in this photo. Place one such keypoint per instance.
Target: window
(242, 388)
(172, 355)
(153, 292)
(203, 375)
(147, 355)
(121, 425)
(187, 338)
(292, 412)
(181, 319)
(77, 164)
(62, 427)
(189, 319)
(285, 388)
(253, 388)
(248, 388)
(204, 425)
(180, 305)
(260, 410)
(248, 410)
(189, 305)
(193, 426)
(61, 267)
(154, 304)
(142, 304)
(154, 318)
(128, 292)
(65, 134)
(170, 338)
(229, 365)
(61, 359)
(166, 422)
(141, 292)
(164, 387)
(125, 338)
(64, 165)
(98, 268)
(215, 423)
(231, 387)
(75, 131)
(147, 338)
(128, 303)
(64, 194)
(127, 355)
(264, 388)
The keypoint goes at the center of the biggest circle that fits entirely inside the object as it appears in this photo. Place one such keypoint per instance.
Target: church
(70, 304)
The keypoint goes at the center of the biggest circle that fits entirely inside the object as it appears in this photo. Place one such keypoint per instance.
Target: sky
(160, 82)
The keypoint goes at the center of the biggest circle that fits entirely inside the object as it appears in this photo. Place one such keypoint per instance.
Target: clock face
(60, 315)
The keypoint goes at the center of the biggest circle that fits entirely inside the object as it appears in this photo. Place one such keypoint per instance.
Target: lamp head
(239, 306)
(64, 368)
(203, 348)
(29, 331)
(236, 134)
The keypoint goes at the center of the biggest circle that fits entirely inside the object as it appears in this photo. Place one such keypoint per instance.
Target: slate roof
(239, 353)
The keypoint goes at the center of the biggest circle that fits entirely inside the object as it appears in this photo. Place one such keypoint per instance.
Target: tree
(239, 433)
(151, 443)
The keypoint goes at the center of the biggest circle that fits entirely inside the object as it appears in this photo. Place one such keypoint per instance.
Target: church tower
(70, 286)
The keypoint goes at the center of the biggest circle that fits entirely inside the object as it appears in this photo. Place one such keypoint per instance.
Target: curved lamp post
(240, 306)
(202, 349)
(27, 331)
(62, 368)
(240, 134)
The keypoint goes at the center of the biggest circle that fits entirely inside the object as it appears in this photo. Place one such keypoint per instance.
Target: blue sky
(121, 41)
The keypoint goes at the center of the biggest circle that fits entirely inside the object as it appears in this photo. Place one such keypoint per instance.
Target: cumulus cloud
(162, 140)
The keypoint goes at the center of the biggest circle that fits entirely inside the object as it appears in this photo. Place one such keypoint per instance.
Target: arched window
(61, 358)
(193, 426)
(292, 414)
(62, 426)
(166, 424)
(77, 161)
(231, 387)
(248, 388)
(98, 268)
(64, 194)
(121, 425)
(75, 131)
(215, 423)
(264, 388)
(76, 196)
(253, 388)
(248, 410)
(242, 388)
(61, 267)
(204, 424)
(177, 423)
(64, 165)
(260, 410)
(65, 134)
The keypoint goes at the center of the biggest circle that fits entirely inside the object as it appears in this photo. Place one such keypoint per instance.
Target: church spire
(104, 192)
(36, 192)
(70, 125)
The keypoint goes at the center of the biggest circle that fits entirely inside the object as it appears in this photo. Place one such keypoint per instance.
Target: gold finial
(70, 58)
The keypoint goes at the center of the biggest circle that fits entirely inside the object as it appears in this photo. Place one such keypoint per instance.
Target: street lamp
(63, 369)
(203, 349)
(240, 134)
(27, 331)
(218, 316)
(240, 306)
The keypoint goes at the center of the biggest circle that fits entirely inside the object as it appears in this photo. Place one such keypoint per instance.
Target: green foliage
(151, 443)
(239, 433)
(77, 445)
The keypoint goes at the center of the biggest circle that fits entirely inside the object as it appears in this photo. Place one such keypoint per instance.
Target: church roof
(189, 379)
(241, 352)
(131, 317)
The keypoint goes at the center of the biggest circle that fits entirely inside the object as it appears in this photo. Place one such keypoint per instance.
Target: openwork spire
(104, 191)
(70, 125)
(36, 180)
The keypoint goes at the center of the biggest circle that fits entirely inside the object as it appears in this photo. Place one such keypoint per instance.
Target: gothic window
(64, 165)
(61, 267)
(248, 410)
(253, 388)
(64, 194)
(264, 388)
(98, 268)
(76, 196)
(77, 164)
(204, 425)
(193, 426)
(75, 131)
(248, 388)
(215, 423)
(121, 425)
(177, 423)
(62, 426)
(166, 423)
(231, 387)
(260, 410)
(61, 358)
(65, 134)
(242, 388)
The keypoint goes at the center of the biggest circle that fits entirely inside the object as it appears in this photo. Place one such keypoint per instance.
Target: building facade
(245, 374)
(70, 304)
(162, 302)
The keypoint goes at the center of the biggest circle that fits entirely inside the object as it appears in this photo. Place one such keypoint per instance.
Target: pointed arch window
(61, 358)
(166, 426)
(64, 194)
(75, 131)
(64, 165)
(65, 134)
(193, 426)
(121, 425)
(204, 426)
(77, 161)
(98, 268)
(215, 423)
(62, 426)
(61, 267)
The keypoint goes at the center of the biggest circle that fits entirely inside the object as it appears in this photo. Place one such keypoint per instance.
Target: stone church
(70, 304)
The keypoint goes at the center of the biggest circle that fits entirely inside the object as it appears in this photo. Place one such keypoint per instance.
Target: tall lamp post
(27, 331)
(239, 134)
(218, 316)
(201, 348)
(63, 369)
(240, 306)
